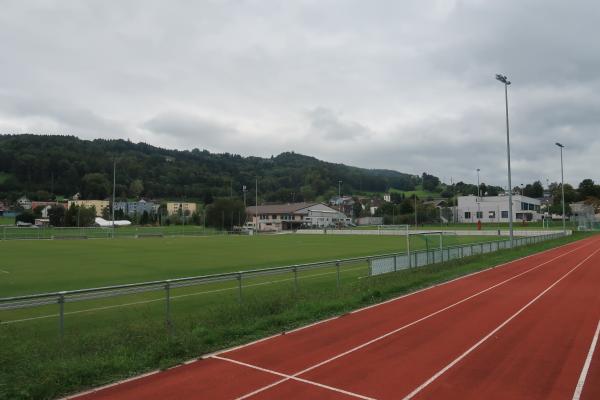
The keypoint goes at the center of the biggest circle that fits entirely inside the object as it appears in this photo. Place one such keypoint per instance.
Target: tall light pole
(478, 196)
(478, 185)
(113, 195)
(562, 186)
(506, 82)
(340, 196)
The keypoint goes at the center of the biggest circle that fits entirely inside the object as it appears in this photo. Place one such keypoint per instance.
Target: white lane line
(586, 365)
(173, 297)
(493, 332)
(379, 338)
(287, 378)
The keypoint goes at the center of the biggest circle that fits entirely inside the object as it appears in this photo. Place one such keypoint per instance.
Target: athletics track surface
(523, 330)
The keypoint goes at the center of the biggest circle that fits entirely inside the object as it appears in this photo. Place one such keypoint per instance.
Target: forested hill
(44, 166)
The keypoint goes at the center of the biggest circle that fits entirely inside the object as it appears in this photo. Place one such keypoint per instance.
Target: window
(504, 214)
(467, 215)
(492, 214)
(479, 214)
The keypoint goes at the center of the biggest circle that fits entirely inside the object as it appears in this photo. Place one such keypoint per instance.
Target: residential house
(278, 217)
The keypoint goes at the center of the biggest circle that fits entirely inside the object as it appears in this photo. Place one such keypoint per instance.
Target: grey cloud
(401, 85)
(192, 130)
(325, 123)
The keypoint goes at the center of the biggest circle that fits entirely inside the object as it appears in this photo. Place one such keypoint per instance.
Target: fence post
(239, 278)
(337, 267)
(395, 263)
(168, 305)
(295, 279)
(61, 318)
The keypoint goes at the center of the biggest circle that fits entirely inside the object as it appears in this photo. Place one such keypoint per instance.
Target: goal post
(398, 228)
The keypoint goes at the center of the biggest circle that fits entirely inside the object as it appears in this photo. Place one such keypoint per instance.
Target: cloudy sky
(405, 85)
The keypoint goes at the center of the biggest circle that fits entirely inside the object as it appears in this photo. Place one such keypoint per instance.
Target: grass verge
(101, 349)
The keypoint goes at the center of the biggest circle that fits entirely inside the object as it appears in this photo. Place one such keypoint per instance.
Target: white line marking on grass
(287, 378)
(379, 338)
(5, 272)
(493, 332)
(586, 365)
(172, 297)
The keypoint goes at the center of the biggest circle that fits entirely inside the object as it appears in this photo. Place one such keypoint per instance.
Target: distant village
(339, 211)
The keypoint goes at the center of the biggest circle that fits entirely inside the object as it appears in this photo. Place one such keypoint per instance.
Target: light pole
(506, 82)
(479, 216)
(478, 185)
(113, 196)
(562, 186)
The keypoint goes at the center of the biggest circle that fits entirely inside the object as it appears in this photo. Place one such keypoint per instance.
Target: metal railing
(383, 265)
(377, 265)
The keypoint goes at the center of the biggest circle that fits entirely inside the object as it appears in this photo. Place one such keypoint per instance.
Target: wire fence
(242, 281)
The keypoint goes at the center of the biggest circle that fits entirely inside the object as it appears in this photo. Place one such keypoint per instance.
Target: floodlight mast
(506, 82)
(562, 186)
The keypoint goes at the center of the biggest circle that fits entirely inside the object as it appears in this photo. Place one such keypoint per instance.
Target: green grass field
(7, 220)
(106, 340)
(32, 266)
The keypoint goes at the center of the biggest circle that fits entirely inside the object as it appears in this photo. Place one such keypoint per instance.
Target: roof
(289, 208)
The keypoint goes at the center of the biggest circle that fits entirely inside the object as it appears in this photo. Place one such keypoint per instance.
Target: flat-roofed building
(495, 209)
(181, 208)
(100, 205)
(278, 217)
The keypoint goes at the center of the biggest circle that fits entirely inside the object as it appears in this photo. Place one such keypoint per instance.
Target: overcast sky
(404, 85)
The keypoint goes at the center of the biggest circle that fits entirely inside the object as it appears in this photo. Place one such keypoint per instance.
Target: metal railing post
(395, 263)
(239, 279)
(168, 306)
(337, 268)
(441, 247)
(295, 280)
(61, 318)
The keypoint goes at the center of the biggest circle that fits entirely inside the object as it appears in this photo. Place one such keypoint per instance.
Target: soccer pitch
(34, 266)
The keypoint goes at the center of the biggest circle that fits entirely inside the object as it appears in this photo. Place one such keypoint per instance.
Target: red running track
(522, 330)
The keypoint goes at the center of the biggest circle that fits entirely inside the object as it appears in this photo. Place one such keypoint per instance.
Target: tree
(587, 188)
(94, 186)
(26, 217)
(430, 182)
(535, 190)
(136, 187)
(223, 213)
(145, 218)
(357, 209)
(56, 215)
(80, 216)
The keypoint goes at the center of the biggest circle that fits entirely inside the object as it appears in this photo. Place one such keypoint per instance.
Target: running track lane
(280, 356)
(591, 388)
(539, 354)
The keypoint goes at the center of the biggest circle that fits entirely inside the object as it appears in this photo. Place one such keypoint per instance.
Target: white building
(278, 217)
(495, 209)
